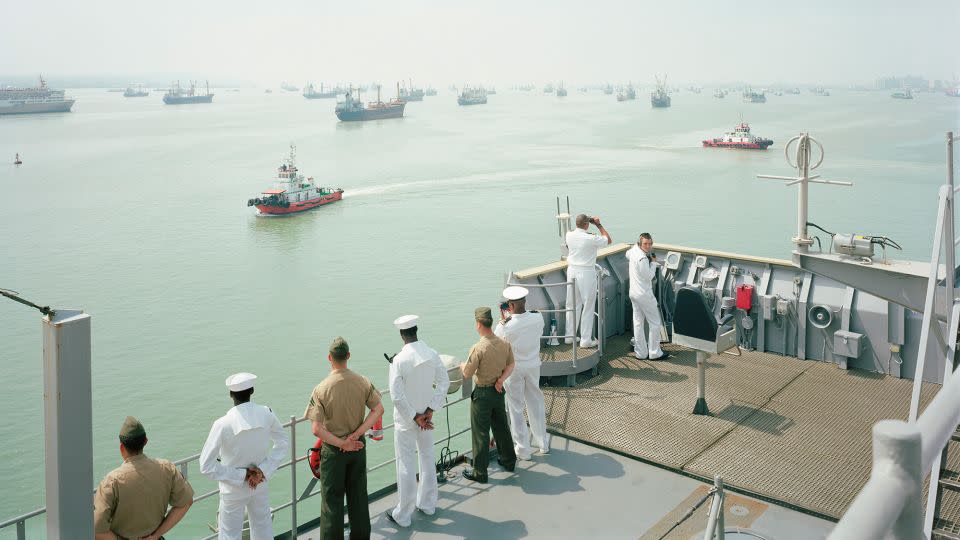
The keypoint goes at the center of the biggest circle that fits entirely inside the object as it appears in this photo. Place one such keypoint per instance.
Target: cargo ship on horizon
(310, 92)
(660, 98)
(179, 96)
(353, 110)
(40, 99)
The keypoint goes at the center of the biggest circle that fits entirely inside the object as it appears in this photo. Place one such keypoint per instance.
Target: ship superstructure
(40, 99)
(292, 192)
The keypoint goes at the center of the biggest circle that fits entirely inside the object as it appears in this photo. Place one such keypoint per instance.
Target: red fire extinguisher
(744, 296)
(376, 433)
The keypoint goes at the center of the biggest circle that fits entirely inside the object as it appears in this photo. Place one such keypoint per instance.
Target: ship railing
(184, 466)
(905, 453)
(572, 289)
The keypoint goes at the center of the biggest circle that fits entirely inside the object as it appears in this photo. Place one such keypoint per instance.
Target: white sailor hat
(240, 381)
(515, 292)
(406, 321)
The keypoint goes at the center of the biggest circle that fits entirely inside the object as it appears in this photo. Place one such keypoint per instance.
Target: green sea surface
(136, 213)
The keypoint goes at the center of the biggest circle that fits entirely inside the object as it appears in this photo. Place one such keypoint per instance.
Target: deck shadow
(453, 523)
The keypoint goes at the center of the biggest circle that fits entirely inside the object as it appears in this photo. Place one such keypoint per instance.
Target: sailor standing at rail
(132, 499)
(337, 411)
(418, 387)
(489, 362)
(581, 262)
(243, 450)
(642, 262)
(523, 330)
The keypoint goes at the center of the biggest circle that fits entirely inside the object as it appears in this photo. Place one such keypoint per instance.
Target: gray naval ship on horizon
(785, 375)
(40, 99)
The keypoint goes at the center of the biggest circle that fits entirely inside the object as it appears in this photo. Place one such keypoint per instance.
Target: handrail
(183, 465)
(903, 454)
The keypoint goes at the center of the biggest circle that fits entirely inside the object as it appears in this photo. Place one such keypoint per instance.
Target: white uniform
(581, 263)
(242, 438)
(523, 332)
(417, 380)
(642, 271)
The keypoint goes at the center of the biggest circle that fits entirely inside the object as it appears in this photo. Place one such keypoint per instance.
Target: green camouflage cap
(132, 429)
(339, 347)
(483, 314)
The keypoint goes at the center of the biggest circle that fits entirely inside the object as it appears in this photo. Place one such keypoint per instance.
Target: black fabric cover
(692, 317)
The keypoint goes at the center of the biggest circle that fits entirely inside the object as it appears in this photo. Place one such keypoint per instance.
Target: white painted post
(889, 505)
(701, 405)
(803, 163)
(68, 422)
(293, 475)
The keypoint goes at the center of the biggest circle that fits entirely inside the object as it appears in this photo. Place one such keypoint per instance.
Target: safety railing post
(21, 530)
(576, 321)
(293, 476)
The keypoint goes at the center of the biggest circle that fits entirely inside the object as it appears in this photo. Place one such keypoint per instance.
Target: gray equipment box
(846, 343)
(768, 306)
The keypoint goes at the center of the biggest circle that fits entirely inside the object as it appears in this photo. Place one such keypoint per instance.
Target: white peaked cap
(515, 292)
(240, 381)
(406, 321)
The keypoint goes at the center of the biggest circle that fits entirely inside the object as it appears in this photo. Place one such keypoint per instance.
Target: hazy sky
(441, 42)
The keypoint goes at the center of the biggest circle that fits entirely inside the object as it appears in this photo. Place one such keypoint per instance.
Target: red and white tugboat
(739, 138)
(293, 193)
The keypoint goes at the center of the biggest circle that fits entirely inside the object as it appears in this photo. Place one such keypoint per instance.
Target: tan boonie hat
(132, 429)
(483, 314)
(339, 347)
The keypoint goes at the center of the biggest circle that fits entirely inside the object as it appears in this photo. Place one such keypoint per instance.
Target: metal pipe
(889, 505)
(540, 285)
(929, 304)
(951, 233)
(21, 530)
(803, 155)
(293, 476)
(715, 517)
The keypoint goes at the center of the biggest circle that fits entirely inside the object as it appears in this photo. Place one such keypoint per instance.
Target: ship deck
(787, 430)
(578, 491)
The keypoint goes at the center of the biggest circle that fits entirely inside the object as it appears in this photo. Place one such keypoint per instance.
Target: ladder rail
(934, 489)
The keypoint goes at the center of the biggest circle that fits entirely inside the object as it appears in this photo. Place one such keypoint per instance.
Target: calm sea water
(136, 212)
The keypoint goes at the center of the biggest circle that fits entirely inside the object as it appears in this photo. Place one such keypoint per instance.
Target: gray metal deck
(578, 491)
(790, 430)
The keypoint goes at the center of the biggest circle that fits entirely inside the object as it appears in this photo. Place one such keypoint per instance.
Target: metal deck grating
(563, 352)
(793, 430)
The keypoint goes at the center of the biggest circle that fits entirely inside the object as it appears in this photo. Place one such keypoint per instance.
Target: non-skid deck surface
(793, 430)
(563, 352)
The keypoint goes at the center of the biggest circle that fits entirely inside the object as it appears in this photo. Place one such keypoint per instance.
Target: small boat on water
(472, 96)
(561, 91)
(292, 192)
(627, 94)
(902, 94)
(720, 93)
(740, 137)
(16, 159)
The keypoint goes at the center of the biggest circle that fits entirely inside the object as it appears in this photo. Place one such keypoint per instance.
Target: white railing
(184, 466)
(599, 313)
(904, 453)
